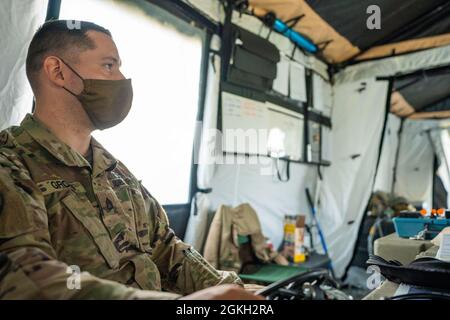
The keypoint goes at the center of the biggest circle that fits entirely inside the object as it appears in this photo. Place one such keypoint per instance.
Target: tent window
(164, 61)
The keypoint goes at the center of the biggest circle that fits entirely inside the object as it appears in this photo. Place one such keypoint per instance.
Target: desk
(392, 247)
(405, 251)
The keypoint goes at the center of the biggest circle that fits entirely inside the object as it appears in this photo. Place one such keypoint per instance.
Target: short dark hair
(59, 37)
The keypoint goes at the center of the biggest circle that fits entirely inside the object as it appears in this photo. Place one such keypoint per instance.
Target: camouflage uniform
(56, 211)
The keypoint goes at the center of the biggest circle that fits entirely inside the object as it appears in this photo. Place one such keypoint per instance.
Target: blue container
(409, 227)
(296, 37)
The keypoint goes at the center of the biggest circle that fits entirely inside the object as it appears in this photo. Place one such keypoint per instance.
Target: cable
(420, 296)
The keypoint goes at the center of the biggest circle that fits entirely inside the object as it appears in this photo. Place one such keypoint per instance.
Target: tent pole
(397, 155)
(226, 38)
(53, 9)
(186, 12)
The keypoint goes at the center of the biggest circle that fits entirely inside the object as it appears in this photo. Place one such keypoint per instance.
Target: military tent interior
(373, 106)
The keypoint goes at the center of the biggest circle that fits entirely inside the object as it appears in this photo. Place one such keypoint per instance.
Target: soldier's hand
(223, 292)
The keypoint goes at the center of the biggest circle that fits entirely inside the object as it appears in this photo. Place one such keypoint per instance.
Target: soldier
(74, 222)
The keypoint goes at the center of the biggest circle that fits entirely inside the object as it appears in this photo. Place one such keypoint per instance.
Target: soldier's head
(63, 53)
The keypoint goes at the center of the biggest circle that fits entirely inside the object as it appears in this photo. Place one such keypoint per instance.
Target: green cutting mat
(270, 273)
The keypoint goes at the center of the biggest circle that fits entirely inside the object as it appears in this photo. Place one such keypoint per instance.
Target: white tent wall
(441, 139)
(18, 22)
(420, 142)
(412, 161)
(205, 153)
(385, 174)
(358, 119)
(441, 144)
(414, 178)
(271, 198)
(407, 168)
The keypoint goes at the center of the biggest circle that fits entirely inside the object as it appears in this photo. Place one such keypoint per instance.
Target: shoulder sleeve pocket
(20, 212)
(87, 216)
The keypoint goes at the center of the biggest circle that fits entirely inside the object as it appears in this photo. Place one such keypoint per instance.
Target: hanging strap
(288, 165)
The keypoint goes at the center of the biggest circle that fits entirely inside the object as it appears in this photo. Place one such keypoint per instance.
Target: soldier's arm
(29, 268)
(183, 269)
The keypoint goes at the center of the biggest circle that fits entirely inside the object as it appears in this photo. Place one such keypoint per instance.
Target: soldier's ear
(53, 70)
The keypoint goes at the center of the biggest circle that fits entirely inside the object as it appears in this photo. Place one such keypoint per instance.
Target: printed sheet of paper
(281, 82)
(322, 95)
(444, 249)
(297, 81)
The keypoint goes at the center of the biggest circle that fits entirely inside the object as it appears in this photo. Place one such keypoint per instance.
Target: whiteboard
(263, 128)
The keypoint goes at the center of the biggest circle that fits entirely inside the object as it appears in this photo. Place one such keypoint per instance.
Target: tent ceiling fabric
(403, 108)
(440, 106)
(348, 17)
(405, 46)
(426, 90)
(406, 26)
(431, 115)
(312, 26)
(426, 96)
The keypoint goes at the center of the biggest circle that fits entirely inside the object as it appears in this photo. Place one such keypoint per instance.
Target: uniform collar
(103, 160)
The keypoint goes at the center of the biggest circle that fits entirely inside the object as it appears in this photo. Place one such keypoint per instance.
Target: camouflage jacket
(58, 214)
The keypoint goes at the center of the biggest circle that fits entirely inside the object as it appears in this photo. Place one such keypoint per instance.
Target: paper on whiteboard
(285, 132)
(242, 122)
(297, 81)
(281, 82)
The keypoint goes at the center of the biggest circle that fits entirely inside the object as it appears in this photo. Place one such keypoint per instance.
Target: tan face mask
(106, 102)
